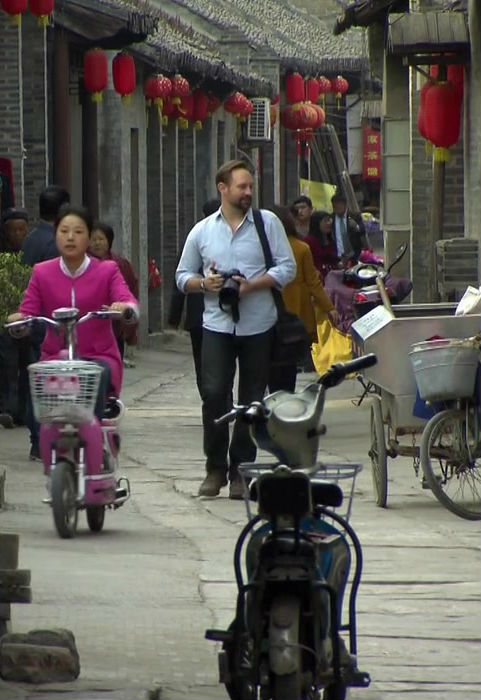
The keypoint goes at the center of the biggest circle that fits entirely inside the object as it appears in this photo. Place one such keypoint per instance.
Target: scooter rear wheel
(95, 517)
(64, 499)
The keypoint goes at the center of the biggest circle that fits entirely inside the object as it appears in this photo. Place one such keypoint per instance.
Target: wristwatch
(202, 284)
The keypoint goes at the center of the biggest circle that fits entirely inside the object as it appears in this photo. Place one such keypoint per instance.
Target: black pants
(282, 377)
(15, 356)
(196, 342)
(220, 352)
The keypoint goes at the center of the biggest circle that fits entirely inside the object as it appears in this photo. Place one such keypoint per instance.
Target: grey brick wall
(33, 108)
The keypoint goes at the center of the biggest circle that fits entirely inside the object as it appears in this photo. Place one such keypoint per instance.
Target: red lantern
(289, 118)
(339, 86)
(42, 9)
(14, 8)
(246, 108)
(213, 104)
(442, 118)
(184, 112)
(422, 113)
(168, 110)
(312, 90)
(307, 117)
(201, 108)
(180, 88)
(123, 75)
(321, 116)
(324, 88)
(156, 89)
(294, 88)
(234, 103)
(96, 74)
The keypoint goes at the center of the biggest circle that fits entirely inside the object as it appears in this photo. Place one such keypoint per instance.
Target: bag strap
(266, 249)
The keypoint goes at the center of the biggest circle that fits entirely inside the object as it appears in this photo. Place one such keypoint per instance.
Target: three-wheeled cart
(392, 384)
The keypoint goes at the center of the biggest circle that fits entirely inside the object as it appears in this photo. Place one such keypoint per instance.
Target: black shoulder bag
(291, 340)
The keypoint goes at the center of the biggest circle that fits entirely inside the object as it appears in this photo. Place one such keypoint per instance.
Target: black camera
(229, 293)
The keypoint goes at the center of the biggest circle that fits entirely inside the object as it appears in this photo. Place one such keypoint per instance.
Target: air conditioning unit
(259, 122)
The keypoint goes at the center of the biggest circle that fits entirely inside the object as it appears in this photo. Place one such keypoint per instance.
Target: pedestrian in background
(15, 353)
(321, 243)
(40, 244)
(300, 296)
(228, 242)
(194, 308)
(100, 246)
(301, 209)
(348, 230)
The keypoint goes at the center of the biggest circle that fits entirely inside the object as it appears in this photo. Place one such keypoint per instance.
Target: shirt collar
(79, 271)
(249, 216)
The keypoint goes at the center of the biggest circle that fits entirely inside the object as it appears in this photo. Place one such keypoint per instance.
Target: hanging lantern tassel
(441, 154)
(159, 103)
(14, 8)
(42, 9)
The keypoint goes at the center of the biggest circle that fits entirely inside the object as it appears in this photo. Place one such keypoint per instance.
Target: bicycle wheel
(378, 454)
(64, 499)
(451, 463)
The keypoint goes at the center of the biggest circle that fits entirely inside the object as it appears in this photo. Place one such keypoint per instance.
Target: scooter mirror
(401, 251)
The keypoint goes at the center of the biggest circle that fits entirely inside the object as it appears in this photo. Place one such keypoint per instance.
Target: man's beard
(244, 204)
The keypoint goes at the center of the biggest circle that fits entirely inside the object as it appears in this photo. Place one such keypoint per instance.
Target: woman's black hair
(68, 209)
(315, 225)
(106, 230)
(286, 218)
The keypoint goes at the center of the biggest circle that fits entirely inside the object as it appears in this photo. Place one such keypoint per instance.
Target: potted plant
(14, 277)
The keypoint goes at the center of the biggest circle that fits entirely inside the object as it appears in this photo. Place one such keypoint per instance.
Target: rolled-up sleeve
(190, 261)
(284, 269)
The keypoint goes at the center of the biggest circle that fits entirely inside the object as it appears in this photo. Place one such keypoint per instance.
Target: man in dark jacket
(348, 231)
(40, 244)
(194, 304)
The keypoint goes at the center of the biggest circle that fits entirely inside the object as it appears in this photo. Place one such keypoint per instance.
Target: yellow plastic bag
(332, 346)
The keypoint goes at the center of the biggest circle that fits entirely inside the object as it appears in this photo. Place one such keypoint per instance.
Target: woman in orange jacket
(302, 296)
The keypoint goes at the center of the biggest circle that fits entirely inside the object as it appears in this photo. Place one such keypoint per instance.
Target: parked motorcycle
(365, 277)
(79, 453)
(284, 642)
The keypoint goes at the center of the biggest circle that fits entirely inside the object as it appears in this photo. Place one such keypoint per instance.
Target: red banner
(371, 154)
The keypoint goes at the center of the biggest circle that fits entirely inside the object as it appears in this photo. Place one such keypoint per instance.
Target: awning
(428, 32)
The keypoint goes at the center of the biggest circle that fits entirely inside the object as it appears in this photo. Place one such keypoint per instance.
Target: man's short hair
(338, 197)
(50, 201)
(224, 174)
(303, 199)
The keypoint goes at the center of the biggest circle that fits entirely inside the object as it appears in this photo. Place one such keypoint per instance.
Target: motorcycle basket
(64, 391)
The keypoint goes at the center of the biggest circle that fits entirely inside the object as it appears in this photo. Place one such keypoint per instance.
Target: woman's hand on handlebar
(17, 316)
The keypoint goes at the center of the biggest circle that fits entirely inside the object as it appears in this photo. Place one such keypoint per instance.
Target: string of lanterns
(305, 110)
(439, 114)
(42, 9)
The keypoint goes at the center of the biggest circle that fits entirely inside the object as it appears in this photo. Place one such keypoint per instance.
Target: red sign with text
(371, 154)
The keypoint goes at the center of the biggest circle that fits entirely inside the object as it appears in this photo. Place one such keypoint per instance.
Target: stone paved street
(139, 596)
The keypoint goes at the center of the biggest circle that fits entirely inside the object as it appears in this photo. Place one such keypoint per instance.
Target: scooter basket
(64, 391)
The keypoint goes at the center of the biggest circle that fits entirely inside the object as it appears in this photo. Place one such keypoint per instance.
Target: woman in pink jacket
(78, 280)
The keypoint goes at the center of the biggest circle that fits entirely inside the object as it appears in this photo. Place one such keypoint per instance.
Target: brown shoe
(236, 489)
(212, 484)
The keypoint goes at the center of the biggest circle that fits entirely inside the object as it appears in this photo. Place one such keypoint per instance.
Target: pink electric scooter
(79, 453)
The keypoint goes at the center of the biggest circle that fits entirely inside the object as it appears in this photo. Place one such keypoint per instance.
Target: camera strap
(266, 249)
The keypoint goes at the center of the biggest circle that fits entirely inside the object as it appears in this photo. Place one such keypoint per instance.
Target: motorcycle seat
(286, 544)
(326, 493)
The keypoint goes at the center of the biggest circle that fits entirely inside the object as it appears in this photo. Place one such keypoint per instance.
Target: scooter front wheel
(95, 517)
(287, 687)
(64, 499)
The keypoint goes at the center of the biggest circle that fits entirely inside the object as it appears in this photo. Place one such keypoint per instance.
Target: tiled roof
(299, 40)
(179, 47)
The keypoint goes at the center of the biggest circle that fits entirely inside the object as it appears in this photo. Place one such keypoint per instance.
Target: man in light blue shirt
(223, 242)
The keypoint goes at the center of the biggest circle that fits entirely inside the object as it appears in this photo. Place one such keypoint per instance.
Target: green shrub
(14, 277)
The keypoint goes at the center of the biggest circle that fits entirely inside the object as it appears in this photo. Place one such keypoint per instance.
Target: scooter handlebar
(338, 372)
(252, 412)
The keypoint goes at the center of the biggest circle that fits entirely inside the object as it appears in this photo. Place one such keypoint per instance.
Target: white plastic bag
(470, 302)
